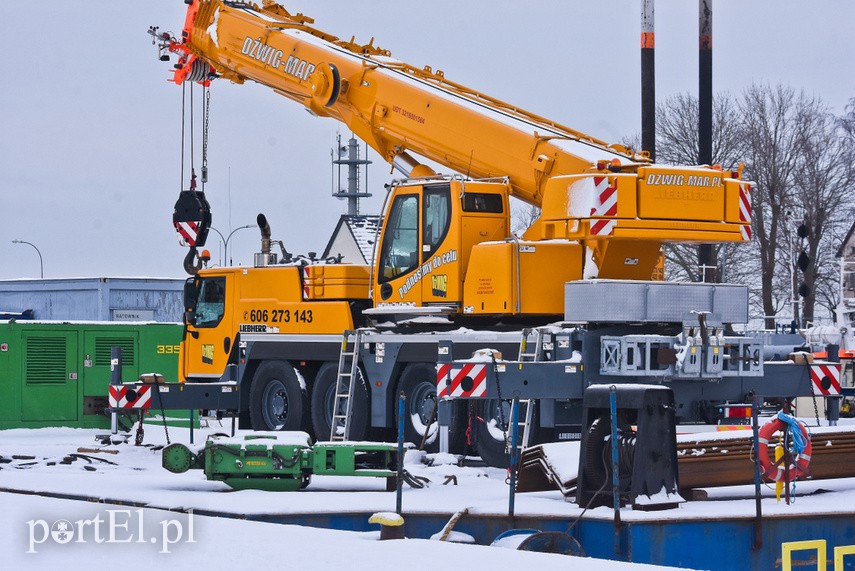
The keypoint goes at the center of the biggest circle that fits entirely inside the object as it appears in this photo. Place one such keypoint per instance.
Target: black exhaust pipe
(261, 220)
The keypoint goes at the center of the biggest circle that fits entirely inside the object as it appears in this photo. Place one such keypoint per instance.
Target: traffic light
(803, 261)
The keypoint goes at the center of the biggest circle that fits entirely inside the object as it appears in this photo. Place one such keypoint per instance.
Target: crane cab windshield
(205, 301)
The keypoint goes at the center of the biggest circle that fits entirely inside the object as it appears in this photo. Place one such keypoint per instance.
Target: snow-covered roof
(362, 228)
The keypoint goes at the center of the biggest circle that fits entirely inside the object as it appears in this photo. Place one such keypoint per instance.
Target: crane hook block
(192, 218)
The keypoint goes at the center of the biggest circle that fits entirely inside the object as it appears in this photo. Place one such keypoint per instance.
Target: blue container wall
(716, 545)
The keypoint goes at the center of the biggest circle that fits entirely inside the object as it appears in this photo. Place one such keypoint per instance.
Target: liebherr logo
(269, 55)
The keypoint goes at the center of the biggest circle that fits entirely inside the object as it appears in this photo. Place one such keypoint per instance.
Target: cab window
(399, 253)
(212, 302)
(482, 202)
(436, 219)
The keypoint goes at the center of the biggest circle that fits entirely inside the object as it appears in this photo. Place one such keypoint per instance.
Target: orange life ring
(775, 471)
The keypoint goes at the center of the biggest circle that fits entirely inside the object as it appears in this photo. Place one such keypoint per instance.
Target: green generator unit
(281, 461)
(58, 373)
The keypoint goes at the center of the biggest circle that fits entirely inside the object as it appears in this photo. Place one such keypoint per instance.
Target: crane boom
(395, 107)
(611, 203)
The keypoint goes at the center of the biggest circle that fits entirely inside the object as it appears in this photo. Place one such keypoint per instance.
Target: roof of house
(363, 228)
(840, 250)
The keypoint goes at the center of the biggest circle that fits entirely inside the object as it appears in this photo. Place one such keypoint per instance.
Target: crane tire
(418, 383)
(323, 398)
(277, 401)
(489, 436)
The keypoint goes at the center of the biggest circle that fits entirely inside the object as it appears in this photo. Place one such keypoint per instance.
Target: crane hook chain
(205, 122)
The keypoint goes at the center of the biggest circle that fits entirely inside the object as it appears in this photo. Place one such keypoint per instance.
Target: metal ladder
(529, 353)
(348, 368)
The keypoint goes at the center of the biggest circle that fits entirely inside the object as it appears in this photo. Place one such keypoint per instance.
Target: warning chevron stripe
(468, 380)
(188, 231)
(605, 205)
(825, 379)
(745, 211)
(118, 397)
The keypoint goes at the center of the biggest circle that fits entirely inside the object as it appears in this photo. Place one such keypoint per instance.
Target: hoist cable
(192, 150)
(183, 103)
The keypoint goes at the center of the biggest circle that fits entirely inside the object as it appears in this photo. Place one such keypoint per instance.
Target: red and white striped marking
(605, 204)
(188, 232)
(745, 211)
(825, 379)
(118, 397)
(468, 380)
(306, 289)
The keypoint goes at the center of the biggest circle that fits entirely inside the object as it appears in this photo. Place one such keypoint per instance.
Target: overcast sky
(90, 128)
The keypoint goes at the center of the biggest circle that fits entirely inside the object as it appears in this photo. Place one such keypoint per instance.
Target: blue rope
(795, 429)
(798, 440)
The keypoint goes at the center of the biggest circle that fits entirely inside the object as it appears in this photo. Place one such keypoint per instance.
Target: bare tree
(801, 160)
(847, 122)
(770, 118)
(677, 129)
(822, 183)
(677, 143)
(523, 215)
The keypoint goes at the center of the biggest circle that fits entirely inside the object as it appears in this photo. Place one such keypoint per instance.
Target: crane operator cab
(433, 234)
(208, 328)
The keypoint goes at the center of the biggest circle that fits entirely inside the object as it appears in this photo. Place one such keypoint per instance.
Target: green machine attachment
(282, 461)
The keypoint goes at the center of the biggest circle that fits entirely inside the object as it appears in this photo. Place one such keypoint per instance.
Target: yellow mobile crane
(445, 246)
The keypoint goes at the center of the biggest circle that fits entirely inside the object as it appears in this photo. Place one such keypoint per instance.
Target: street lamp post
(41, 262)
(223, 240)
(227, 238)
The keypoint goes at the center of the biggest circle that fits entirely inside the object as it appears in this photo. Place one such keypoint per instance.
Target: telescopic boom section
(395, 107)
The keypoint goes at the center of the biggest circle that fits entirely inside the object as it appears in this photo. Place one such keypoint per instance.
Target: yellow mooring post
(779, 485)
(788, 548)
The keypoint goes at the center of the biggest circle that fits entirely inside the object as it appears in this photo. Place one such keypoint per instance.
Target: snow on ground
(138, 477)
(219, 543)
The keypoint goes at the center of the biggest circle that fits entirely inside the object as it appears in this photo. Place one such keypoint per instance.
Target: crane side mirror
(191, 296)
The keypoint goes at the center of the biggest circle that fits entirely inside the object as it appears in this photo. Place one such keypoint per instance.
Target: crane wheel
(418, 383)
(323, 399)
(491, 428)
(277, 401)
